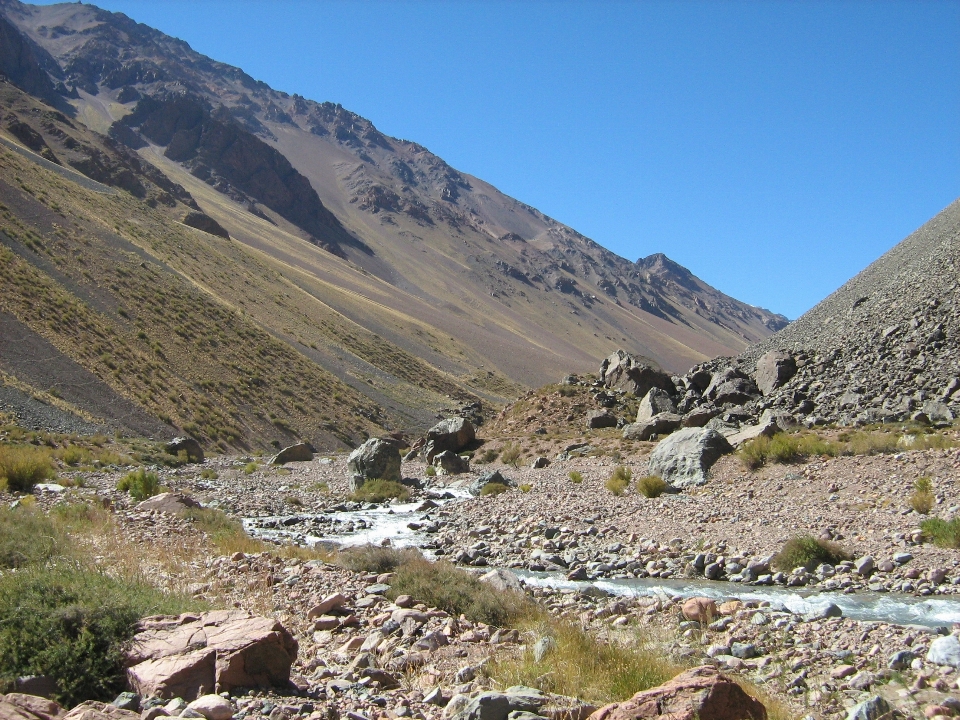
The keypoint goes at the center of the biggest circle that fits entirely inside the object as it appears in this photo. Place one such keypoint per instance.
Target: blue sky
(774, 148)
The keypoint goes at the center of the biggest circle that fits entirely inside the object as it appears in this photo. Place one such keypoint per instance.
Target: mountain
(366, 257)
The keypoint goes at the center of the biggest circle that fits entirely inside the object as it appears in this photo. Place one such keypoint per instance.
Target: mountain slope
(369, 256)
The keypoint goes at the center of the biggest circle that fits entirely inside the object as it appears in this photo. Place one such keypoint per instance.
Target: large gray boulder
(477, 486)
(770, 423)
(634, 374)
(683, 459)
(661, 424)
(187, 444)
(376, 458)
(774, 369)
(601, 419)
(449, 463)
(731, 387)
(656, 401)
(945, 651)
(452, 434)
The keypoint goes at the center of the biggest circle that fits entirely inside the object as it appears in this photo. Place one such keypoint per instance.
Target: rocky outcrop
(698, 694)
(186, 445)
(376, 458)
(656, 401)
(683, 459)
(449, 463)
(190, 655)
(19, 706)
(633, 374)
(202, 221)
(452, 434)
(299, 452)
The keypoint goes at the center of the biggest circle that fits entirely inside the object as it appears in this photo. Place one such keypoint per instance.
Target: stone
(633, 374)
(938, 413)
(701, 693)
(543, 647)
(503, 580)
(300, 452)
(822, 612)
(865, 565)
(212, 707)
(196, 654)
(173, 503)
(449, 463)
(870, 709)
(698, 417)
(769, 424)
(331, 602)
(597, 419)
(731, 387)
(374, 459)
(701, 609)
(477, 486)
(744, 651)
(94, 710)
(127, 701)
(945, 651)
(187, 444)
(661, 424)
(774, 369)
(452, 434)
(493, 705)
(205, 223)
(540, 462)
(21, 706)
(862, 680)
(683, 458)
(655, 402)
(901, 660)
(842, 671)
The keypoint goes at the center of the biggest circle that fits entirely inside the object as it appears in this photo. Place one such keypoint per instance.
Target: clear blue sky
(774, 148)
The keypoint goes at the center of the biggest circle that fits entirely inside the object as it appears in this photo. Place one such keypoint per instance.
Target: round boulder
(374, 459)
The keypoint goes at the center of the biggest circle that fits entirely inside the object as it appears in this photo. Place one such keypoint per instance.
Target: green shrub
(489, 455)
(448, 588)
(27, 537)
(525, 488)
(375, 558)
(71, 624)
(23, 467)
(943, 533)
(808, 551)
(377, 490)
(651, 486)
(575, 477)
(431, 471)
(209, 474)
(141, 484)
(493, 488)
(510, 454)
(250, 468)
(922, 499)
(619, 480)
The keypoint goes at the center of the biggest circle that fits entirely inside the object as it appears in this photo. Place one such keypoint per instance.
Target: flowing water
(378, 524)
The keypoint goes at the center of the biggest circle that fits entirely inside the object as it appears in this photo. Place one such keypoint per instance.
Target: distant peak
(660, 264)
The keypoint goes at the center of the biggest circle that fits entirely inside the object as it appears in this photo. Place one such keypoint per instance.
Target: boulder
(93, 710)
(698, 417)
(502, 579)
(870, 709)
(731, 387)
(683, 458)
(945, 651)
(770, 423)
(661, 424)
(634, 374)
(656, 401)
(374, 459)
(477, 486)
(774, 369)
(701, 693)
(173, 503)
(20, 706)
(192, 447)
(301, 452)
(212, 707)
(516, 703)
(601, 419)
(452, 434)
(938, 413)
(192, 655)
(449, 463)
(701, 609)
(205, 223)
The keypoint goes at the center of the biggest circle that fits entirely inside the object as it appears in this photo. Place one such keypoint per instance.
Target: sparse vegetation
(808, 552)
(489, 455)
(942, 533)
(22, 467)
(525, 488)
(510, 454)
(575, 477)
(377, 490)
(225, 532)
(619, 480)
(141, 484)
(651, 486)
(321, 487)
(922, 499)
(250, 468)
(493, 488)
(431, 471)
(209, 474)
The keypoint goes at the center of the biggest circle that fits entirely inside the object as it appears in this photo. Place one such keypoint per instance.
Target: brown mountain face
(409, 281)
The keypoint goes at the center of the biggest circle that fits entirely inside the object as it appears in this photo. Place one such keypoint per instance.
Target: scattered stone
(212, 707)
(870, 709)
(655, 402)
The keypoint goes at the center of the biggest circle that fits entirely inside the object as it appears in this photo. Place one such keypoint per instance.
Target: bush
(493, 488)
(250, 468)
(489, 455)
(448, 588)
(922, 499)
(431, 471)
(575, 477)
(23, 467)
(72, 624)
(651, 486)
(619, 480)
(27, 537)
(808, 552)
(943, 533)
(141, 484)
(375, 558)
(209, 474)
(525, 488)
(377, 490)
(510, 454)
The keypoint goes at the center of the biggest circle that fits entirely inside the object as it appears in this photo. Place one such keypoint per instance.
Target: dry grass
(651, 486)
(808, 552)
(922, 500)
(377, 490)
(619, 480)
(22, 467)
